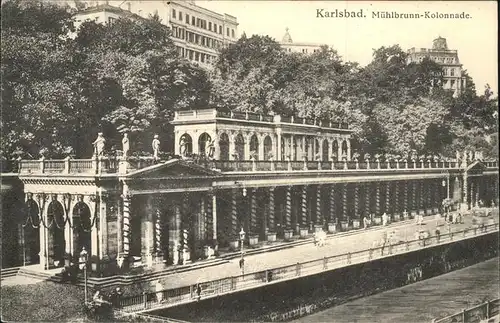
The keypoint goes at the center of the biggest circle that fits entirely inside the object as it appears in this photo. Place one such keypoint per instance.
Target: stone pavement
(335, 245)
(19, 280)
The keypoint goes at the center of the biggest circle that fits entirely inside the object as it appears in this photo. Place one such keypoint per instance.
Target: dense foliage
(59, 91)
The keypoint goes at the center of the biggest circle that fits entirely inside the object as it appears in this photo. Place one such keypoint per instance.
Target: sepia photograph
(249, 161)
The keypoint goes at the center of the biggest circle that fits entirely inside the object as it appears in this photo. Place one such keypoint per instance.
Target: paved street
(361, 240)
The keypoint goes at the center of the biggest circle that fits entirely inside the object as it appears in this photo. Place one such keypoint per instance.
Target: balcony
(215, 114)
(112, 165)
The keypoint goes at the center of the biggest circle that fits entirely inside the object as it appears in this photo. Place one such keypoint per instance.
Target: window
(220, 29)
(180, 15)
(196, 56)
(210, 25)
(111, 20)
(227, 32)
(452, 84)
(452, 72)
(174, 14)
(232, 33)
(187, 19)
(193, 21)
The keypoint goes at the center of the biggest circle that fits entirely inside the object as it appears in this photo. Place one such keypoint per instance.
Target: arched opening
(223, 147)
(324, 150)
(268, 148)
(185, 145)
(56, 242)
(31, 232)
(254, 147)
(239, 147)
(335, 150)
(82, 228)
(204, 142)
(344, 149)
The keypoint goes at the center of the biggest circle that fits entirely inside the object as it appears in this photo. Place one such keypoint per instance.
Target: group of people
(113, 299)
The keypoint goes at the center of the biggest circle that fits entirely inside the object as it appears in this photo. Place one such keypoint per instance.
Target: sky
(355, 38)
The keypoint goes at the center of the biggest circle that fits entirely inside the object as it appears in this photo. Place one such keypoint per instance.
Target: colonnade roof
(222, 116)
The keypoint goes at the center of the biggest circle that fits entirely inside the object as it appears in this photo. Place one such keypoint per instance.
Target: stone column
(216, 147)
(292, 148)
(377, 199)
(357, 214)
(414, 203)
(271, 216)
(232, 146)
(67, 201)
(187, 231)
(423, 197)
(478, 190)
(473, 190)
(319, 218)
(149, 232)
(405, 196)
(260, 152)
(214, 221)
(304, 207)
(345, 215)
(332, 219)
(126, 223)
(465, 195)
(104, 251)
(430, 192)
(367, 200)
(348, 149)
(397, 207)
(174, 236)
(158, 250)
(288, 208)
(253, 212)
(388, 200)
(303, 148)
(43, 205)
(339, 149)
(278, 156)
(233, 230)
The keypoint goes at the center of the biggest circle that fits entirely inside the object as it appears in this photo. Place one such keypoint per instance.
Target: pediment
(476, 167)
(174, 169)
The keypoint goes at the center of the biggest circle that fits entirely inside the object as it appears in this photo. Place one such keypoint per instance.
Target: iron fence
(474, 314)
(227, 285)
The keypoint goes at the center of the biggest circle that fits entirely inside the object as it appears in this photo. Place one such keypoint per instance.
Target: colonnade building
(285, 180)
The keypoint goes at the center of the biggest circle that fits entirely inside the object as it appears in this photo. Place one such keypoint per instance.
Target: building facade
(304, 48)
(447, 58)
(198, 33)
(144, 211)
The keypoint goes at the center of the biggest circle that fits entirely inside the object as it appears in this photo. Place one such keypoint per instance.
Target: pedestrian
(242, 263)
(159, 291)
(385, 219)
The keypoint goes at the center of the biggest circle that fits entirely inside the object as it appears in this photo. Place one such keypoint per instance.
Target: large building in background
(198, 33)
(453, 78)
(304, 48)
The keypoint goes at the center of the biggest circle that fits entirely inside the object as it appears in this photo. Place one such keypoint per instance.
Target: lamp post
(242, 260)
(83, 265)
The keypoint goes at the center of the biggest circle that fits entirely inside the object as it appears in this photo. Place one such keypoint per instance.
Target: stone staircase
(37, 274)
(9, 272)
